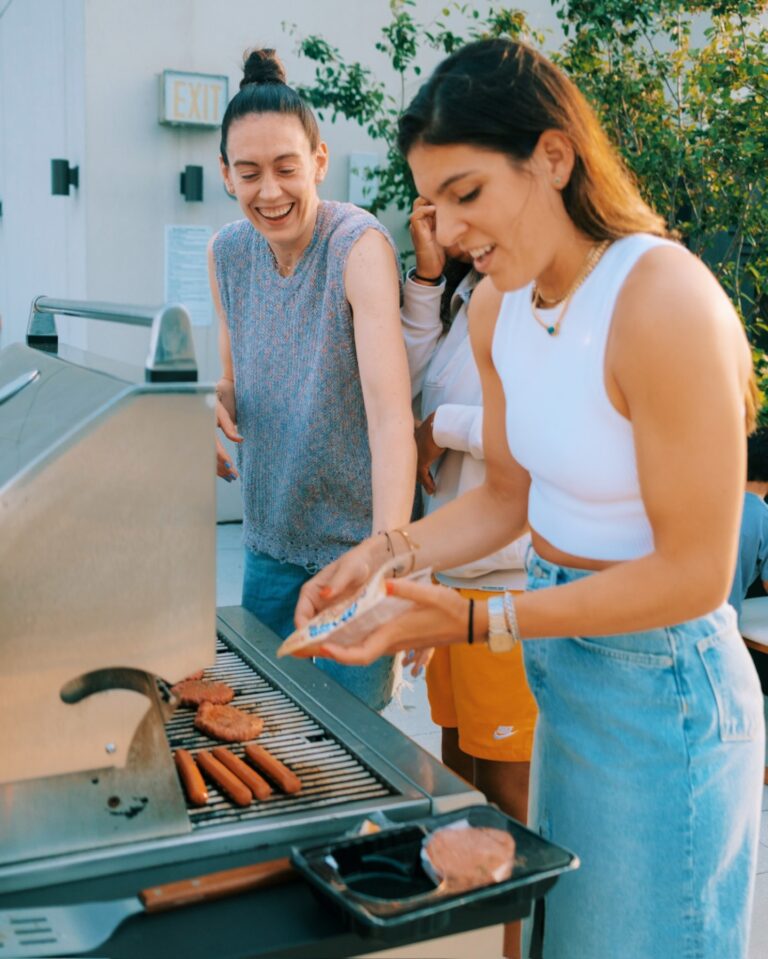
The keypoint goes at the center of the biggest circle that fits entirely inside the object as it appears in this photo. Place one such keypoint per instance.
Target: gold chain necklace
(593, 258)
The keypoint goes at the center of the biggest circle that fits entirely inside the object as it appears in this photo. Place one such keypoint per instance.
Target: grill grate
(329, 773)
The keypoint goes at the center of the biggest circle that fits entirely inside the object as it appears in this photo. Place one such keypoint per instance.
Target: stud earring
(557, 181)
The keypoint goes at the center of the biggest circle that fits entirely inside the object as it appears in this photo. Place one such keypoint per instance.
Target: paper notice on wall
(186, 271)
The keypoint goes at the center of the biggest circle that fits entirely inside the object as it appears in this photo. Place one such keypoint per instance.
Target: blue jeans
(647, 763)
(270, 592)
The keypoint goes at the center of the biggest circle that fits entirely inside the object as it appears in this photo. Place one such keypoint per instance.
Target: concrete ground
(411, 715)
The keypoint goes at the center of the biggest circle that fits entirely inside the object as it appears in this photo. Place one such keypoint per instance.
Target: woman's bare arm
(372, 288)
(226, 413)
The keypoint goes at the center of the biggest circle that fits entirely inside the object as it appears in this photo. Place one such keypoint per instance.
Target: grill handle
(171, 356)
(217, 884)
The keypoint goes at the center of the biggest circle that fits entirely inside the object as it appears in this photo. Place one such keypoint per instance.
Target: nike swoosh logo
(504, 732)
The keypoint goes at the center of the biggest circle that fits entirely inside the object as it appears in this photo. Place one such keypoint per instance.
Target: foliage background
(681, 87)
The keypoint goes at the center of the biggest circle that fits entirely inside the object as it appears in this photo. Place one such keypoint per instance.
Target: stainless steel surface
(107, 574)
(57, 404)
(360, 764)
(171, 349)
(100, 807)
(62, 930)
(76, 928)
(17, 385)
(108, 552)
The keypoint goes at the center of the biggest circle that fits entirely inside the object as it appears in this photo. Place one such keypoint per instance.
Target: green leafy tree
(690, 116)
(690, 119)
(345, 88)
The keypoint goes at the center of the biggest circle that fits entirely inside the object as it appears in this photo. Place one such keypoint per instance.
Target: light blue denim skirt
(648, 764)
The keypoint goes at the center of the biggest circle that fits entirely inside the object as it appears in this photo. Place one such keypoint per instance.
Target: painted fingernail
(228, 465)
(389, 586)
(326, 592)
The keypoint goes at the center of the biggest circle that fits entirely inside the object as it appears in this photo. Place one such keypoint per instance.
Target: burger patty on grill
(193, 692)
(227, 723)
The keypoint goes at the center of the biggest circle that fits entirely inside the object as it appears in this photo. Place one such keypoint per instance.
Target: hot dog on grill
(289, 782)
(237, 791)
(258, 786)
(193, 783)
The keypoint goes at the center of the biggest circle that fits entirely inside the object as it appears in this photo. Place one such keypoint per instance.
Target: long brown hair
(501, 95)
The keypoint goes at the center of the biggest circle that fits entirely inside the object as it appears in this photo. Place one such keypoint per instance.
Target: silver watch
(500, 639)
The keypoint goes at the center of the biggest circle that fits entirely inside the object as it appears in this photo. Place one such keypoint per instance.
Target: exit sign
(192, 99)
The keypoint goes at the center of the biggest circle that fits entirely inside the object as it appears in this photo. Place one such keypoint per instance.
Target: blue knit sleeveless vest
(305, 462)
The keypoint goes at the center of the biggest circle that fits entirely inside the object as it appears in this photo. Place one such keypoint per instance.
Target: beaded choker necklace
(537, 300)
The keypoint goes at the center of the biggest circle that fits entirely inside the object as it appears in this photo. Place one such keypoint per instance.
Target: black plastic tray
(379, 887)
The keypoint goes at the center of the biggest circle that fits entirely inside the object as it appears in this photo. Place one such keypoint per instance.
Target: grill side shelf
(329, 772)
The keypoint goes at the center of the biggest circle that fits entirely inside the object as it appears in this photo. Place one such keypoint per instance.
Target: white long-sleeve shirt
(444, 375)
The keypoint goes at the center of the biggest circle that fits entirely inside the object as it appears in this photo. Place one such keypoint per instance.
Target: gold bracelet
(390, 546)
(411, 546)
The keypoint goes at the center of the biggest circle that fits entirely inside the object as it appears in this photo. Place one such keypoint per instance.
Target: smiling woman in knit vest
(315, 387)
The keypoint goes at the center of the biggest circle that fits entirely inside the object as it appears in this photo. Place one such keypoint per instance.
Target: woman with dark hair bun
(314, 382)
(616, 376)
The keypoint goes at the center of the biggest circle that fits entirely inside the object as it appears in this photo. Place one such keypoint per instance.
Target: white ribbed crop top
(561, 426)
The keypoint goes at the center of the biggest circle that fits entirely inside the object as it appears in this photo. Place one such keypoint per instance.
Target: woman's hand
(439, 618)
(340, 579)
(430, 256)
(225, 420)
(418, 659)
(428, 452)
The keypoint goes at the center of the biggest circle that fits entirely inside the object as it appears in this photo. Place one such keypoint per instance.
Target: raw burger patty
(471, 857)
(227, 723)
(192, 692)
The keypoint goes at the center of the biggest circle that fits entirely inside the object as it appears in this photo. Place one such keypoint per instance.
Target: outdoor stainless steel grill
(107, 585)
(329, 772)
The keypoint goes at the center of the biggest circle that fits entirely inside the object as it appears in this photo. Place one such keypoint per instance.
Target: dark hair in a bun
(263, 90)
(262, 66)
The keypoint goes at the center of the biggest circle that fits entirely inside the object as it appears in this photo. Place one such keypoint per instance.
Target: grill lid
(34, 417)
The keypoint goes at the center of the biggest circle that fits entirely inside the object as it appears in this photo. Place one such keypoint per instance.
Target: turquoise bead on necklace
(591, 261)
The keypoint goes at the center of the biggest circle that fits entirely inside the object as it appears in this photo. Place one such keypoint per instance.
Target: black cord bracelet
(432, 280)
(471, 624)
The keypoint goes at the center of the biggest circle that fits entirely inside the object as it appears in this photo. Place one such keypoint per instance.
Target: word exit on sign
(192, 99)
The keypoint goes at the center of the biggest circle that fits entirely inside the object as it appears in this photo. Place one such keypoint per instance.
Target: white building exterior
(79, 79)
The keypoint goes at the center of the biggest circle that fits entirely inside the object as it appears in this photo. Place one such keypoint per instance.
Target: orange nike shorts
(485, 696)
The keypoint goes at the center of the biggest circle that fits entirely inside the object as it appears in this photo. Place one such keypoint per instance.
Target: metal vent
(329, 772)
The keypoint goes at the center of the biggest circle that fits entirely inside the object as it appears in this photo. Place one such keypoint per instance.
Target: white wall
(79, 79)
(42, 237)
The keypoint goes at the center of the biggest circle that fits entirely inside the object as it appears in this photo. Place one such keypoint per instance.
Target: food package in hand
(352, 619)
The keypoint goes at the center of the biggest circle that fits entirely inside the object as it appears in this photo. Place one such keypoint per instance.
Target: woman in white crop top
(628, 458)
